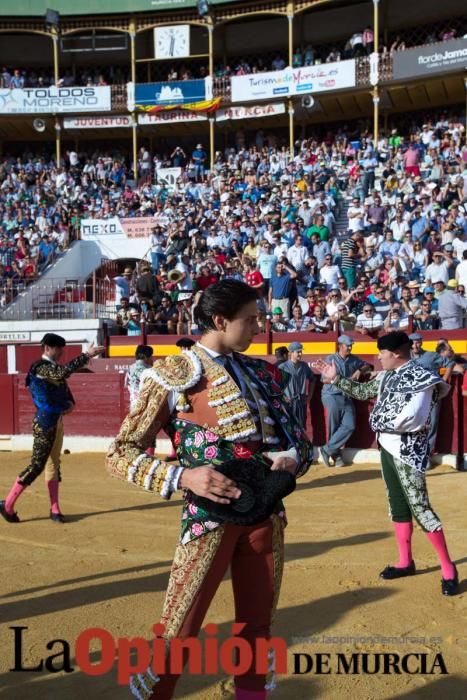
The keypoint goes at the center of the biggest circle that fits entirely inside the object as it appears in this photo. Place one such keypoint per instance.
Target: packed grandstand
(355, 223)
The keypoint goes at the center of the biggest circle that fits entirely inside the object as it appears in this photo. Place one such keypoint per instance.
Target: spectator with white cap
(199, 157)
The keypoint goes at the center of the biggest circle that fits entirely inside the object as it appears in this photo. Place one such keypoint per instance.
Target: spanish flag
(204, 106)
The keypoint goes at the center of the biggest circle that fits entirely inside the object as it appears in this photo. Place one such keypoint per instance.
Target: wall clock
(172, 41)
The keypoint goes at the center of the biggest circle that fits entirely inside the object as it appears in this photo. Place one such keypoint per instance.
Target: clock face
(172, 42)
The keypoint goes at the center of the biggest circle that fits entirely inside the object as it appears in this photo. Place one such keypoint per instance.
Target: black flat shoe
(9, 517)
(391, 572)
(450, 586)
(57, 517)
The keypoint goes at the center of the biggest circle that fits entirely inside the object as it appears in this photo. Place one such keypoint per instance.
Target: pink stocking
(13, 496)
(241, 694)
(52, 485)
(404, 536)
(438, 541)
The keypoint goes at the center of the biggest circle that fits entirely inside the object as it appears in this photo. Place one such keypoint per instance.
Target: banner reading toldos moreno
(55, 100)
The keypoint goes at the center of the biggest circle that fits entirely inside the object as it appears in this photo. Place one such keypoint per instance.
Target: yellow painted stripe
(311, 348)
(257, 349)
(364, 348)
(122, 350)
(163, 350)
(260, 349)
(459, 346)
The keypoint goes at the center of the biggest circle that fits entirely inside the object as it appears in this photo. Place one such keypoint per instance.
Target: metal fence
(58, 299)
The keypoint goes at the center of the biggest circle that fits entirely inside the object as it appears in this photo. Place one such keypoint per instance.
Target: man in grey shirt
(341, 419)
(452, 308)
(432, 361)
(302, 382)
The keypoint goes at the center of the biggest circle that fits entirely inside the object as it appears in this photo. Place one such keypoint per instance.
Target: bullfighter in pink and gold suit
(216, 404)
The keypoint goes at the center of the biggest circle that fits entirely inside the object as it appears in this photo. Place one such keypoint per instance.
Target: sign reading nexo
(94, 228)
(294, 81)
(434, 58)
(55, 100)
(138, 227)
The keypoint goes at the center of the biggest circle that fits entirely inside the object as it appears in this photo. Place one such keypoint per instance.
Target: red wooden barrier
(7, 423)
(3, 359)
(27, 354)
(101, 405)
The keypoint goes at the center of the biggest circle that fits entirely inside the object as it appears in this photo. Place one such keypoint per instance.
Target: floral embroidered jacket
(210, 423)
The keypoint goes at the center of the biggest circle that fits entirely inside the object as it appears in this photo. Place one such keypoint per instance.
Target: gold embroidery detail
(137, 433)
(278, 526)
(190, 566)
(231, 408)
(177, 371)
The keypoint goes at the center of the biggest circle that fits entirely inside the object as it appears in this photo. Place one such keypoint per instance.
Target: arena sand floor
(108, 567)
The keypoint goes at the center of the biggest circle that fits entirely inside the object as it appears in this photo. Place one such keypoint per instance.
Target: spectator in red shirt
(206, 278)
(253, 277)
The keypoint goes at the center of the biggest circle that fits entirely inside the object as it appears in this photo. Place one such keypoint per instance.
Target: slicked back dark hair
(225, 298)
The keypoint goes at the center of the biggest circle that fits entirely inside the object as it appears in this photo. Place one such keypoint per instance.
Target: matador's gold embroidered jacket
(208, 420)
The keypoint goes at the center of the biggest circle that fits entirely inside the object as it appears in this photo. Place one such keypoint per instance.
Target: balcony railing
(119, 98)
(58, 299)
(222, 86)
(363, 69)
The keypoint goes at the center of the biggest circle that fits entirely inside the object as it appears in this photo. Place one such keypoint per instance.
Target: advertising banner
(171, 116)
(130, 227)
(249, 112)
(427, 60)
(55, 100)
(98, 228)
(138, 227)
(294, 81)
(97, 122)
(169, 176)
(183, 94)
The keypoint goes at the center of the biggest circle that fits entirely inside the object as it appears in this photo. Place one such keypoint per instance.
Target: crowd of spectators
(398, 260)
(14, 77)
(359, 44)
(343, 233)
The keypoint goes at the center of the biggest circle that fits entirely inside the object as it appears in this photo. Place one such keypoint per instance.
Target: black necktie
(227, 363)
